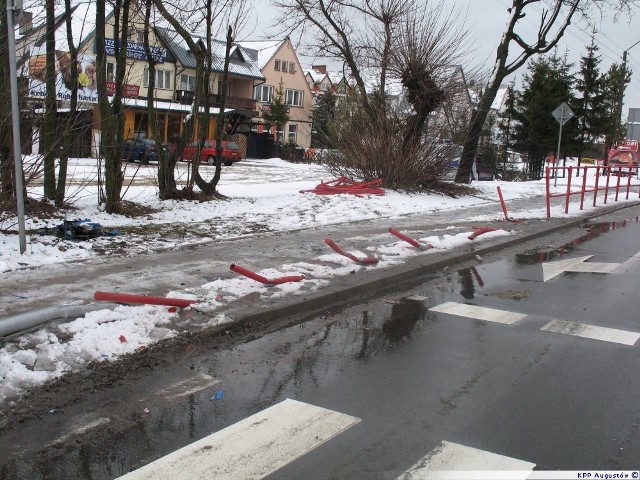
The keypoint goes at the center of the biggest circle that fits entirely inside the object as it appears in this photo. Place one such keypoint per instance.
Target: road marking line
(593, 267)
(417, 298)
(628, 263)
(252, 448)
(479, 313)
(81, 425)
(553, 269)
(592, 331)
(186, 387)
(455, 461)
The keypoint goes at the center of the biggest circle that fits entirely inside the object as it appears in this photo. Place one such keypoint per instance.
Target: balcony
(237, 103)
(184, 96)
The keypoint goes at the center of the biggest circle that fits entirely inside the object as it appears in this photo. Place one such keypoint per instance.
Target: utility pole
(621, 91)
(14, 7)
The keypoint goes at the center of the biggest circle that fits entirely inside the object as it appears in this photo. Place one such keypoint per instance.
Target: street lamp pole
(15, 7)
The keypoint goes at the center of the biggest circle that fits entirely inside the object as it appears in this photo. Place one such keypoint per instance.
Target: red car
(230, 152)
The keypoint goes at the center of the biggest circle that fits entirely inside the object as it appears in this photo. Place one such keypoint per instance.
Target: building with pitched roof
(279, 63)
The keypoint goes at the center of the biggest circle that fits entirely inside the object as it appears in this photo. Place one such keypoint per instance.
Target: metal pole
(15, 121)
(555, 181)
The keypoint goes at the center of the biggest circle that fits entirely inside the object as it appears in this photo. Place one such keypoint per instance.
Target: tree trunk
(50, 120)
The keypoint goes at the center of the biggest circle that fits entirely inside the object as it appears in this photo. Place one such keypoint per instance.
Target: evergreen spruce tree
(591, 108)
(547, 84)
(613, 128)
(277, 114)
(323, 115)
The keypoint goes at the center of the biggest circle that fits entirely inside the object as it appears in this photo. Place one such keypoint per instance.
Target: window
(141, 36)
(163, 79)
(263, 93)
(280, 133)
(111, 72)
(284, 66)
(324, 86)
(293, 131)
(276, 65)
(187, 82)
(293, 97)
(292, 67)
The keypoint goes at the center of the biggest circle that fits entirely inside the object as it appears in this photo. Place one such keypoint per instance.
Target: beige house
(278, 63)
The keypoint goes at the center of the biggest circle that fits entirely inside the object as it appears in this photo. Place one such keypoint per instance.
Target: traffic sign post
(562, 114)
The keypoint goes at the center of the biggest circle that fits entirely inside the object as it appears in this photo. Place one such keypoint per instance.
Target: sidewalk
(189, 270)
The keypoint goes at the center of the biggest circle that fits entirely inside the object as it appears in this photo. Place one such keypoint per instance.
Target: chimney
(26, 22)
(320, 69)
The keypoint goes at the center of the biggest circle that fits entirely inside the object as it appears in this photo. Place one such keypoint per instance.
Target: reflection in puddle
(593, 230)
(404, 316)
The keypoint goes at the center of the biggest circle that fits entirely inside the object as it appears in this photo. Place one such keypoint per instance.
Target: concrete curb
(376, 282)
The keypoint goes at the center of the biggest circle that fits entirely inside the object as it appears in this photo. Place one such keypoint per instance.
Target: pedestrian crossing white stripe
(592, 331)
(252, 448)
(452, 461)
(478, 313)
(593, 267)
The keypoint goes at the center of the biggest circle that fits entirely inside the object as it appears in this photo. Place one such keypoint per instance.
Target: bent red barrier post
(262, 279)
(362, 261)
(504, 207)
(142, 299)
(477, 231)
(409, 240)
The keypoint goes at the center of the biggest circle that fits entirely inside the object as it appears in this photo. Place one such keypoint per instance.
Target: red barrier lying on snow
(363, 261)
(480, 230)
(142, 299)
(406, 238)
(259, 278)
(345, 185)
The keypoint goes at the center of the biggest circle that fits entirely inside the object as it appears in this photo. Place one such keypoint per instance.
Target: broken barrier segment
(409, 240)
(504, 207)
(362, 261)
(259, 278)
(346, 185)
(142, 299)
(477, 231)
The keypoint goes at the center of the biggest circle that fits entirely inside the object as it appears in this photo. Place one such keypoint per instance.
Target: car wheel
(228, 163)
(143, 159)
(211, 160)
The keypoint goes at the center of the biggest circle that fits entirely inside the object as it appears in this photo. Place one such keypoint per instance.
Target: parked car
(231, 152)
(484, 170)
(141, 149)
(624, 162)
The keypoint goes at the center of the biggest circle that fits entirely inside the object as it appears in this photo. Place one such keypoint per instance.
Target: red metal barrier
(259, 278)
(477, 231)
(362, 261)
(142, 299)
(596, 189)
(345, 185)
(504, 207)
(411, 241)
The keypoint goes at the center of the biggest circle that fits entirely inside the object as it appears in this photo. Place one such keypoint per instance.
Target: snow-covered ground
(264, 195)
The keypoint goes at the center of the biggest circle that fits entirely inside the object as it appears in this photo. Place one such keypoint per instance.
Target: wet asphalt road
(412, 376)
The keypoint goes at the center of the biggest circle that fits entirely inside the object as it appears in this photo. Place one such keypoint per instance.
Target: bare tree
(553, 21)
(112, 114)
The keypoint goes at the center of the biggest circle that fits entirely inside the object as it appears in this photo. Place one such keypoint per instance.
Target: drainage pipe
(17, 323)
(259, 278)
(410, 240)
(142, 299)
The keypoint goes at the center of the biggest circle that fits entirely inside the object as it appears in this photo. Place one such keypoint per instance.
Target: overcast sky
(488, 18)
